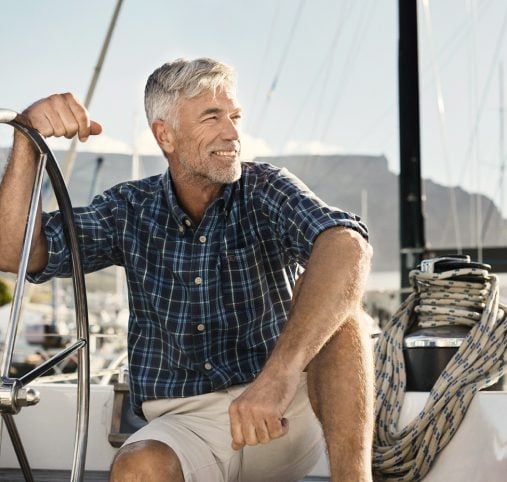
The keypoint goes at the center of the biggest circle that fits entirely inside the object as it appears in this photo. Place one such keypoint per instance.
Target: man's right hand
(61, 115)
(57, 115)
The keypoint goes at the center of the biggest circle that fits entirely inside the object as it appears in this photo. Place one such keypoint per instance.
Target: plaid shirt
(207, 302)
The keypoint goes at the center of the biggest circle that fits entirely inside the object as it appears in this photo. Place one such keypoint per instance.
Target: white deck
(477, 453)
(478, 450)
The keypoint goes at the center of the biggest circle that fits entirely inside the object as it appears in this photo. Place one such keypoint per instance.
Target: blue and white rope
(407, 453)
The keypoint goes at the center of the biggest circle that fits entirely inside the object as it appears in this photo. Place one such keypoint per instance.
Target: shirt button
(200, 327)
(202, 239)
(187, 222)
(181, 229)
(198, 280)
(208, 366)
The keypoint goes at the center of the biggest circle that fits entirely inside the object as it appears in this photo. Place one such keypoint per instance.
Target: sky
(333, 65)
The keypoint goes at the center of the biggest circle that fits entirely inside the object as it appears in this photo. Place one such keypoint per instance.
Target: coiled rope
(437, 299)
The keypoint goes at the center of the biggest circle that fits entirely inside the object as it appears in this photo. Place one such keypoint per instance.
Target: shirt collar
(177, 212)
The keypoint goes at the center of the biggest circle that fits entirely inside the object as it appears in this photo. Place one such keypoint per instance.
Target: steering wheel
(14, 393)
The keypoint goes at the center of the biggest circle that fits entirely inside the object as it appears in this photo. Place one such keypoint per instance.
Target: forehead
(222, 99)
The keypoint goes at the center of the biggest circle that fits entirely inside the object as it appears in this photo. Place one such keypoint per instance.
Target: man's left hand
(257, 414)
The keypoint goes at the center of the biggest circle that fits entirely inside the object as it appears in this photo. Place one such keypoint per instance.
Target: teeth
(225, 153)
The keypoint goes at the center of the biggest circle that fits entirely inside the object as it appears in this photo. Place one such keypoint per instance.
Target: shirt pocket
(244, 285)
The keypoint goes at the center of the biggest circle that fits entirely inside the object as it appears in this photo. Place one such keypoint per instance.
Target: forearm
(56, 115)
(15, 193)
(330, 293)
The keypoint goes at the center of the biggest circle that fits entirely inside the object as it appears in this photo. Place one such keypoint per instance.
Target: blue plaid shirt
(207, 302)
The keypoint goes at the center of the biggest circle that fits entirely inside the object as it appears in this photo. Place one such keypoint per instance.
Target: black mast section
(412, 241)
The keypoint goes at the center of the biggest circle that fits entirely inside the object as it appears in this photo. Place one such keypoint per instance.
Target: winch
(443, 318)
(449, 338)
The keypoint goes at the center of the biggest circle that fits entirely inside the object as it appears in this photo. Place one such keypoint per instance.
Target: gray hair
(183, 78)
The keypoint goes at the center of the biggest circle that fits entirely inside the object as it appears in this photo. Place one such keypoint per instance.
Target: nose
(230, 130)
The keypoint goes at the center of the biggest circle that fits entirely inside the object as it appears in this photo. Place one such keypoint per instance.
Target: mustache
(231, 146)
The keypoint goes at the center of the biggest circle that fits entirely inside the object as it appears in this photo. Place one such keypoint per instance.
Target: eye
(210, 118)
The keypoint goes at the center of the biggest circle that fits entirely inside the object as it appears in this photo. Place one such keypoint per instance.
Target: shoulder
(266, 177)
(138, 191)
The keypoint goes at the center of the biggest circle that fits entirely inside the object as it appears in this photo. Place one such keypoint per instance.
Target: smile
(225, 153)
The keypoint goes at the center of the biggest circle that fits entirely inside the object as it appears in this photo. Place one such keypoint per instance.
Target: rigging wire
(480, 227)
(279, 69)
(501, 142)
(68, 162)
(447, 53)
(264, 63)
(451, 42)
(477, 205)
(352, 55)
(474, 132)
(328, 66)
(326, 62)
(499, 191)
(342, 15)
(442, 124)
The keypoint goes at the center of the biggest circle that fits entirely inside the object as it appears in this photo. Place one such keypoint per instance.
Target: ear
(164, 135)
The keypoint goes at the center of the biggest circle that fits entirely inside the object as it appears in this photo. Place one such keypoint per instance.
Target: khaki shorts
(198, 430)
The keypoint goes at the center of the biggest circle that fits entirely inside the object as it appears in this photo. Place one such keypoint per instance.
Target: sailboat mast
(68, 162)
(412, 238)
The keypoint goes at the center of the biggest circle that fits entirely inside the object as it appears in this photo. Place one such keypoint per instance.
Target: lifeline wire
(407, 454)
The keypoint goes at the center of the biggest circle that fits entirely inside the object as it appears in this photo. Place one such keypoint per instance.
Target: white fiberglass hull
(477, 452)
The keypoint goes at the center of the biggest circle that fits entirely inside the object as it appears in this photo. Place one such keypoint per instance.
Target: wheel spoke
(18, 446)
(10, 336)
(50, 363)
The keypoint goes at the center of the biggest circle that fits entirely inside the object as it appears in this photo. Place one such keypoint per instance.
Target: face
(206, 140)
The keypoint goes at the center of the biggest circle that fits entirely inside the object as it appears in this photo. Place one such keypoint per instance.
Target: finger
(238, 441)
(42, 123)
(95, 128)
(237, 446)
(50, 116)
(249, 432)
(79, 117)
(43, 119)
(63, 123)
(277, 427)
(261, 432)
(73, 114)
(85, 126)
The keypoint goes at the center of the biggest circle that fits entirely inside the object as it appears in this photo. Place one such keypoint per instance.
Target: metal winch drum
(427, 351)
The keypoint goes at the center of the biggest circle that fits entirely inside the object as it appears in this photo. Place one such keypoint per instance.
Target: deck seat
(124, 421)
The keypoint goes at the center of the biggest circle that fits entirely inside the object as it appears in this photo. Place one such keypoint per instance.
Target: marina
(64, 391)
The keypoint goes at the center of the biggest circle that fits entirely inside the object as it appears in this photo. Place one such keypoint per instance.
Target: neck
(195, 194)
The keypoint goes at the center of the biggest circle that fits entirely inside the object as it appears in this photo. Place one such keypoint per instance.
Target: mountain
(362, 184)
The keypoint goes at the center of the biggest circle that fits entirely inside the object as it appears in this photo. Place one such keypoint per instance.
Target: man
(225, 370)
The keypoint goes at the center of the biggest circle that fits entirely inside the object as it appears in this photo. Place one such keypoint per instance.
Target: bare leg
(147, 461)
(341, 390)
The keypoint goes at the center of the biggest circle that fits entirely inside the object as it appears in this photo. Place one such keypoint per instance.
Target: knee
(148, 460)
(354, 329)
(352, 342)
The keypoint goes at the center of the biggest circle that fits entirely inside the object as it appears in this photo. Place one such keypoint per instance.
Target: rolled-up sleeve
(299, 216)
(96, 237)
